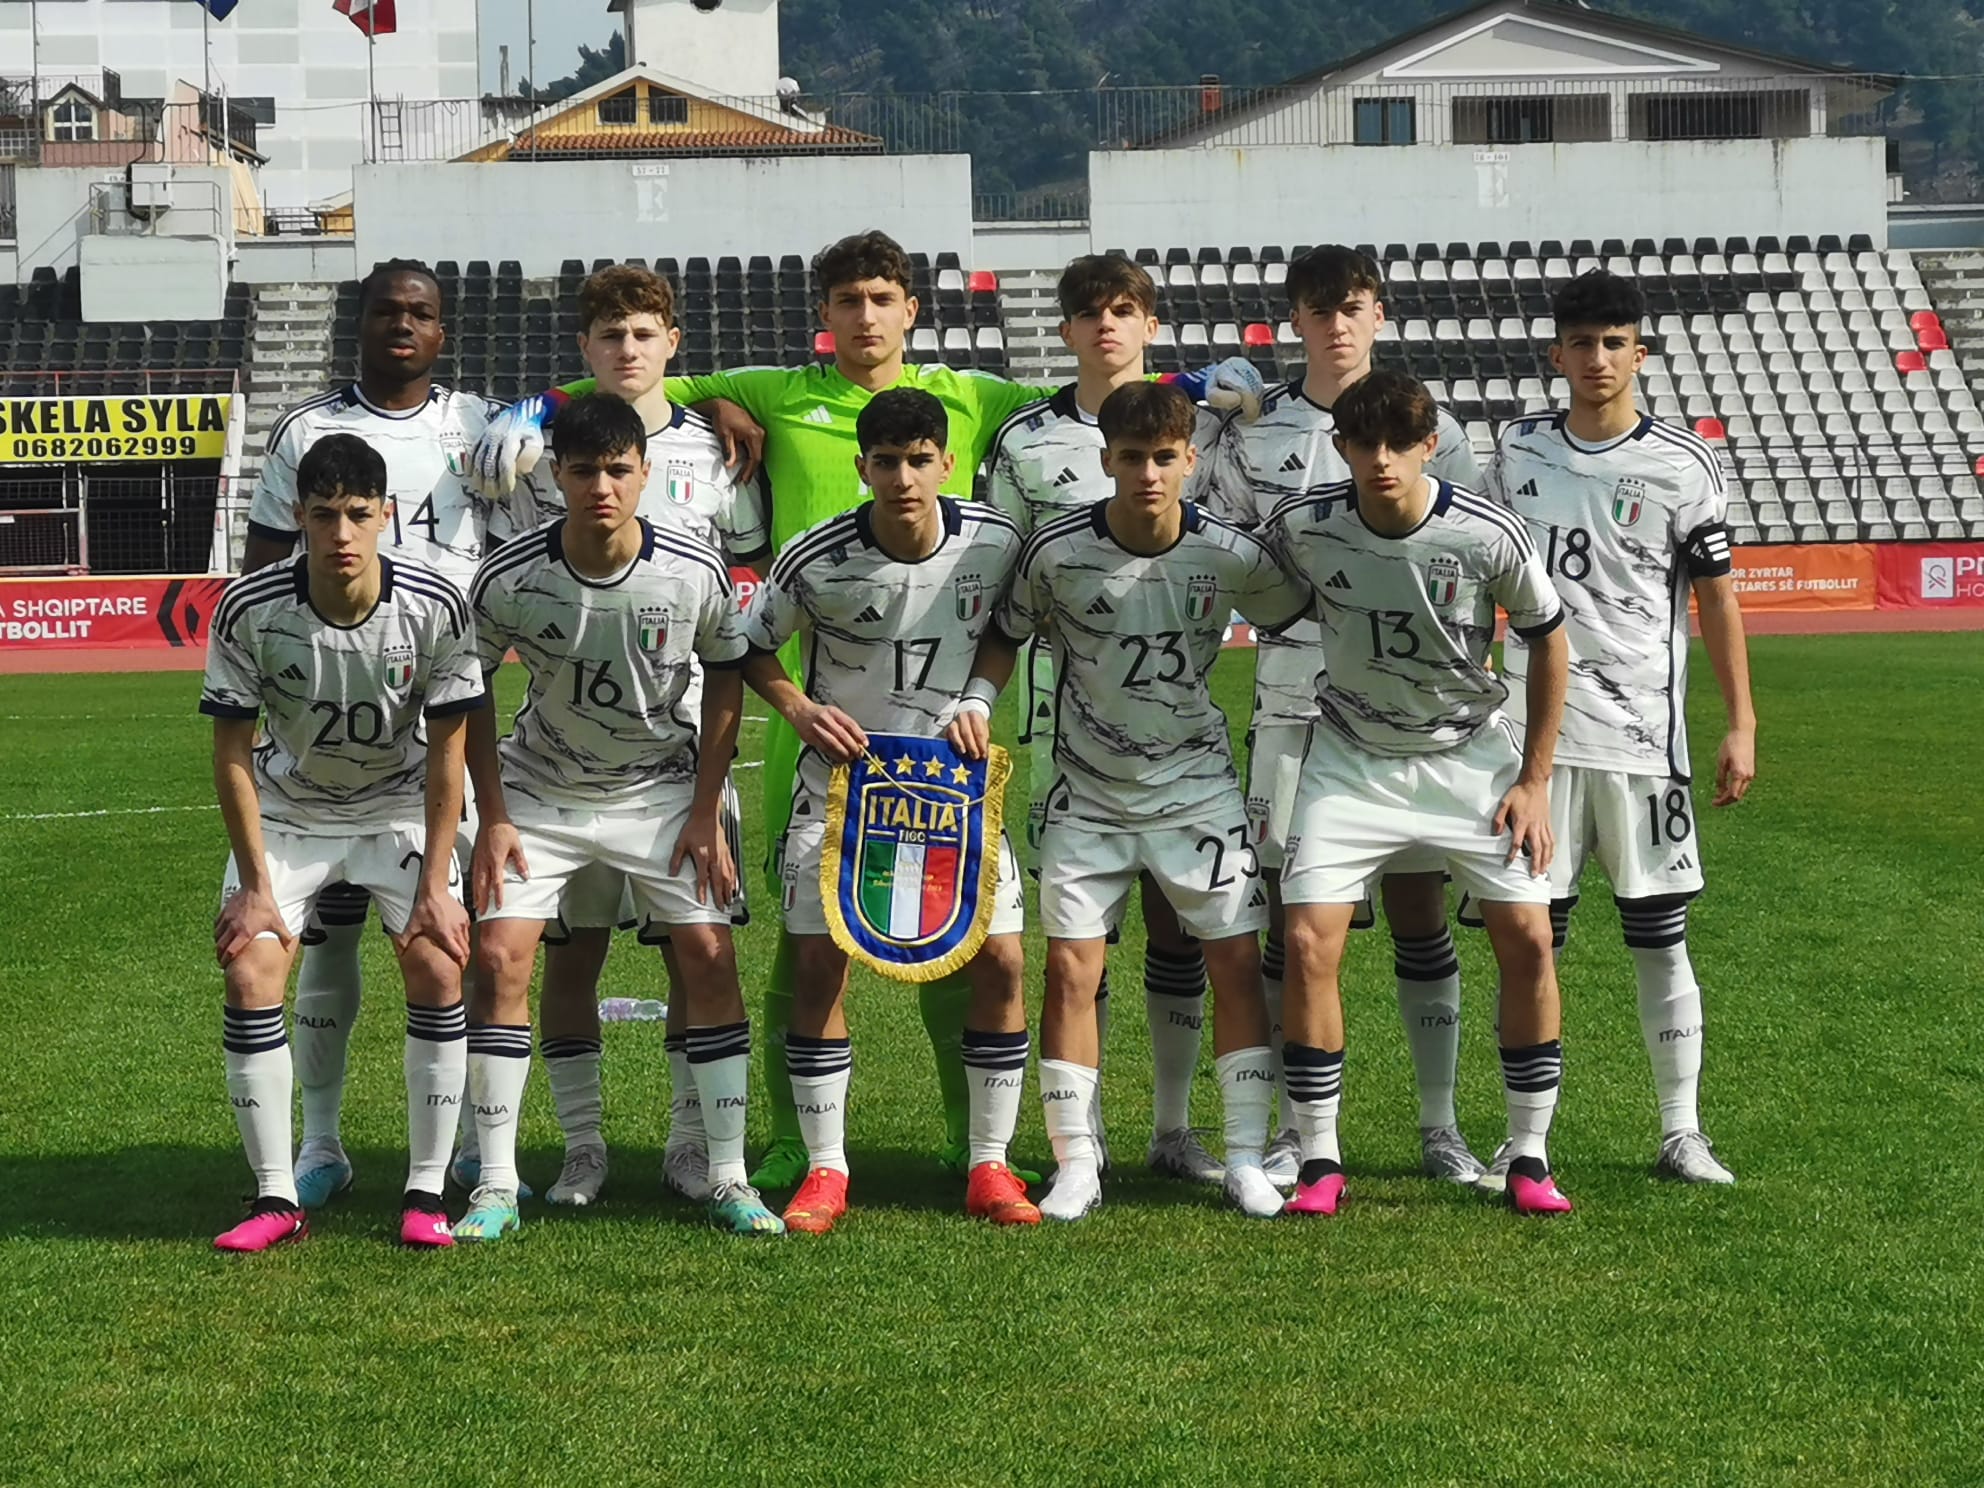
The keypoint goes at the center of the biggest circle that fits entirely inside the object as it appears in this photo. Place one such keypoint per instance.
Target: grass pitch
(1818, 1324)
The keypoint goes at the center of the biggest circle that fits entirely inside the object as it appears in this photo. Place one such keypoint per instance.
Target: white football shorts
(1641, 828)
(301, 866)
(1360, 815)
(598, 896)
(1207, 870)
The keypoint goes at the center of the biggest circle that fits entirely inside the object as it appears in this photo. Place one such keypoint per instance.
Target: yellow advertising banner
(48, 431)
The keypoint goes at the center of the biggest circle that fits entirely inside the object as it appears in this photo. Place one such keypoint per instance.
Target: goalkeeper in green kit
(808, 415)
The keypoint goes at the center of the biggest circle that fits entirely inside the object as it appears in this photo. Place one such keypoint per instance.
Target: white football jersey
(342, 750)
(688, 487)
(888, 642)
(606, 721)
(438, 519)
(1047, 460)
(1289, 451)
(1408, 621)
(1624, 529)
(1138, 739)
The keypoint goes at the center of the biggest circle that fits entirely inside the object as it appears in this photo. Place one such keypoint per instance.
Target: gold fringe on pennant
(998, 768)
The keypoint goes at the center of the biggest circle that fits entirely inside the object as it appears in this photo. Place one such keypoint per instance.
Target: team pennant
(910, 875)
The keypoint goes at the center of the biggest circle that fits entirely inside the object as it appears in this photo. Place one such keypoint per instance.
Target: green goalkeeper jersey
(808, 415)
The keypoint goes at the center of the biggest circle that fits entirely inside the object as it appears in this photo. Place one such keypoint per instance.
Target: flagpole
(371, 88)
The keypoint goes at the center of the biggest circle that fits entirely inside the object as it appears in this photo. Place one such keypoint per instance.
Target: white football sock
(436, 1065)
(1531, 1077)
(498, 1068)
(720, 1060)
(995, 1066)
(260, 1086)
(1175, 1003)
(1246, 1085)
(1067, 1091)
(685, 1105)
(1315, 1079)
(820, 1069)
(1428, 974)
(327, 998)
(572, 1066)
(1671, 1024)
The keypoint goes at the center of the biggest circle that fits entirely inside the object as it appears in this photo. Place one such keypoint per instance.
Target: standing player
(889, 601)
(1334, 306)
(609, 613)
(425, 432)
(1046, 462)
(1629, 515)
(347, 654)
(628, 335)
(1135, 593)
(1411, 755)
(808, 413)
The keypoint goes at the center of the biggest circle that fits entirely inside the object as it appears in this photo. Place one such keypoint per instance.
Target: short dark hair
(1154, 412)
(340, 465)
(1097, 280)
(1325, 277)
(1598, 298)
(594, 427)
(391, 269)
(869, 255)
(902, 417)
(1387, 408)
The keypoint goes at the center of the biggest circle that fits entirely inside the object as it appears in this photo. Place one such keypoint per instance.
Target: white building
(730, 50)
(297, 65)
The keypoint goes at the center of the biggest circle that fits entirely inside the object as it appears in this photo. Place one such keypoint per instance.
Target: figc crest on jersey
(1628, 498)
(681, 482)
(399, 666)
(1443, 580)
(654, 629)
(454, 444)
(910, 874)
(1199, 597)
(971, 598)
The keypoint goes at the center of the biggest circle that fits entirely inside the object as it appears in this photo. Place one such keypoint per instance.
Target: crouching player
(890, 600)
(1411, 752)
(345, 653)
(609, 613)
(1135, 592)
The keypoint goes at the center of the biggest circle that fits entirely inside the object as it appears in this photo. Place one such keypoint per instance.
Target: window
(261, 110)
(667, 108)
(619, 109)
(71, 121)
(1385, 121)
(1704, 116)
(1532, 119)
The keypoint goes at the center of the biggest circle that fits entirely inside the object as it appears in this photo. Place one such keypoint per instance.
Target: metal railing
(1069, 205)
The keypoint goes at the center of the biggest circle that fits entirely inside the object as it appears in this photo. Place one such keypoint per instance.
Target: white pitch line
(28, 816)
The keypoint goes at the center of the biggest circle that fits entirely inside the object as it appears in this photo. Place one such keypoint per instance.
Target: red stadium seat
(1711, 429)
(1910, 361)
(1258, 334)
(823, 343)
(1932, 338)
(1978, 468)
(983, 281)
(1923, 319)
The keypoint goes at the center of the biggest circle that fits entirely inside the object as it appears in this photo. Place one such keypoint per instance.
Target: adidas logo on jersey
(820, 415)
(551, 633)
(1528, 488)
(1338, 580)
(1067, 477)
(1101, 607)
(1681, 864)
(1292, 465)
(869, 616)
(293, 673)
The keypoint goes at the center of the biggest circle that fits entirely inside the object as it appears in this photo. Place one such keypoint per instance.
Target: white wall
(1293, 194)
(294, 260)
(53, 208)
(732, 49)
(132, 279)
(1027, 245)
(541, 215)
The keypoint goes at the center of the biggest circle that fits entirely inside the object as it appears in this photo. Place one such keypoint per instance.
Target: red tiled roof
(667, 141)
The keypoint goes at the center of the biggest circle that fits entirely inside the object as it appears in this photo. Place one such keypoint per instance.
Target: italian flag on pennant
(909, 891)
(373, 17)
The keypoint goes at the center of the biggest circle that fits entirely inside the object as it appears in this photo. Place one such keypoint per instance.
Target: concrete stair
(1032, 317)
(1955, 281)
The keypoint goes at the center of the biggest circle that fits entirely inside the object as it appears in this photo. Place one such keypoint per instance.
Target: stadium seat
(823, 343)
(983, 281)
(1712, 429)
(1259, 334)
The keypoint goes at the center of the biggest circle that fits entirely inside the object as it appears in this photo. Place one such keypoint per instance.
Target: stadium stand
(46, 347)
(1819, 369)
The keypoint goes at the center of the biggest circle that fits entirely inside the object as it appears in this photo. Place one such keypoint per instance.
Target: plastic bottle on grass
(632, 1010)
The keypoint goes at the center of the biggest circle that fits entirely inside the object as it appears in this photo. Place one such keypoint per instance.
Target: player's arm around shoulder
(498, 848)
(455, 689)
(1018, 614)
(1272, 593)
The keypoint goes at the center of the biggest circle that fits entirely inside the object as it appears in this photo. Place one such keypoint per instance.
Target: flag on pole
(220, 10)
(373, 17)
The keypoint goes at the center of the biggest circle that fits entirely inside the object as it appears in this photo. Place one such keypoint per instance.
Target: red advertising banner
(1806, 576)
(1932, 576)
(84, 614)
